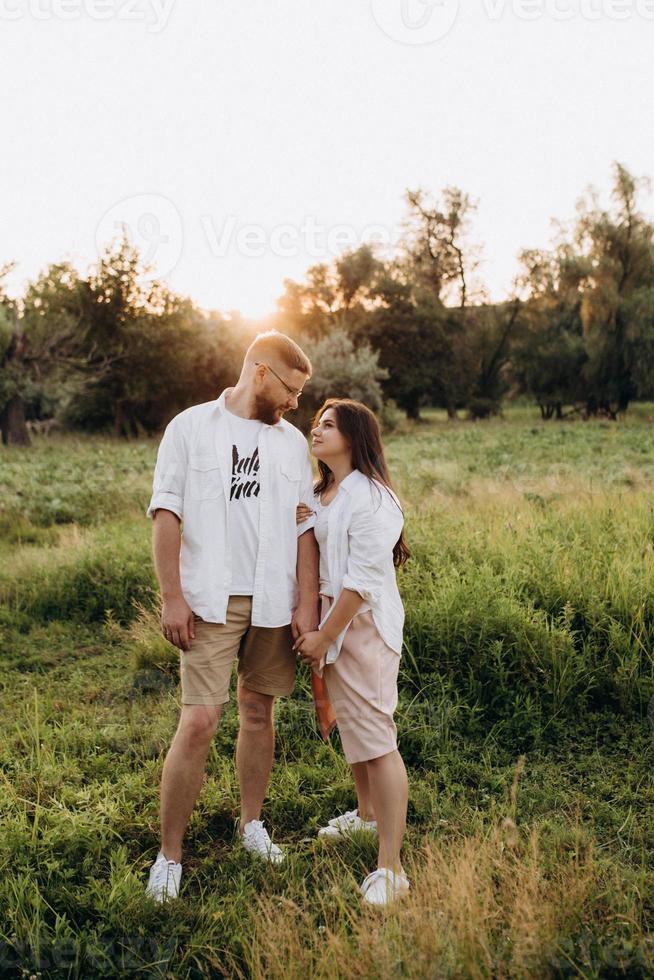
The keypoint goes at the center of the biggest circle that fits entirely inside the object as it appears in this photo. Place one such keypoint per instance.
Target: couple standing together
(269, 568)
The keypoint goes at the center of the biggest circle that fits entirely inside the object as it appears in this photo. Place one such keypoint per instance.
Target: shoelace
(162, 873)
(372, 878)
(350, 816)
(391, 879)
(261, 836)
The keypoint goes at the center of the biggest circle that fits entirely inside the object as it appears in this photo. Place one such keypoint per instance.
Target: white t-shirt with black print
(244, 502)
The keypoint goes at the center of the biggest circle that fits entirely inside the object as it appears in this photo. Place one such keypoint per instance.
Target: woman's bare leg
(360, 774)
(389, 794)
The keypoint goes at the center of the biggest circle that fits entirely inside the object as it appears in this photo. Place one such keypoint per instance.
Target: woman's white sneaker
(384, 886)
(255, 838)
(165, 877)
(347, 823)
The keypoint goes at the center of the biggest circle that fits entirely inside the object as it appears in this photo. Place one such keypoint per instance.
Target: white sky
(193, 120)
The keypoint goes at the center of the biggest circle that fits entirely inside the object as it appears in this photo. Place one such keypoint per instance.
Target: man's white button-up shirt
(192, 479)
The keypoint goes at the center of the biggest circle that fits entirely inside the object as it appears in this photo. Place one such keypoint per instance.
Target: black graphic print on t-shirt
(245, 475)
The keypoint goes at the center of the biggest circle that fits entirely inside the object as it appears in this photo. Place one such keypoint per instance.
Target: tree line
(116, 350)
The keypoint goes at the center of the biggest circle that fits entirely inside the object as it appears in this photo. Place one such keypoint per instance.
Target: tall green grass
(64, 480)
(533, 612)
(82, 578)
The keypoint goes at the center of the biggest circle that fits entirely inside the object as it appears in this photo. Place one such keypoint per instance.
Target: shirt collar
(351, 481)
(221, 408)
(220, 401)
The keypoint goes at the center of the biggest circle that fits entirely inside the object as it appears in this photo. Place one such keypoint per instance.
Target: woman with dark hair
(359, 528)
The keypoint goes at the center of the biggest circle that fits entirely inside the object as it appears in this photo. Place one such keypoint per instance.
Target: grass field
(525, 719)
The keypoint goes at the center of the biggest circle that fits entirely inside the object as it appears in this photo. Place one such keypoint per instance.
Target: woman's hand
(303, 513)
(312, 647)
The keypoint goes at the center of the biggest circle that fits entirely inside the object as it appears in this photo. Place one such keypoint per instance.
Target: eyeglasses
(291, 391)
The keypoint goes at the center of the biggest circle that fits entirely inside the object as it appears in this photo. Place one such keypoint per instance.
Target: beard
(266, 411)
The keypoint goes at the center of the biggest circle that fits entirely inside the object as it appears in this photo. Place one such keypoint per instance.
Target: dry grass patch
(488, 905)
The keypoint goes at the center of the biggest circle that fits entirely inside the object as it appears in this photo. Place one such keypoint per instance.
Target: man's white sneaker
(346, 824)
(384, 886)
(165, 877)
(256, 839)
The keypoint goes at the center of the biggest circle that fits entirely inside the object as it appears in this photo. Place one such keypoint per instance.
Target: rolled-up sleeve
(306, 494)
(372, 535)
(170, 473)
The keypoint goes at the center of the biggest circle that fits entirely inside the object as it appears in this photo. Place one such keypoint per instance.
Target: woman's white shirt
(363, 523)
(321, 531)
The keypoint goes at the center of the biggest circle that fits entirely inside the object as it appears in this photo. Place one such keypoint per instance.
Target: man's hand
(312, 647)
(177, 622)
(305, 618)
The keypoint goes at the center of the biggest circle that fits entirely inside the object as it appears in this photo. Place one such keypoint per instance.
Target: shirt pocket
(289, 484)
(204, 481)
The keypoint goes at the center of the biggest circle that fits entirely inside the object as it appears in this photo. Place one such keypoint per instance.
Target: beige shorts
(266, 660)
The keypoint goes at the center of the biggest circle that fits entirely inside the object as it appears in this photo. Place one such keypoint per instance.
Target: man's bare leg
(183, 773)
(254, 750)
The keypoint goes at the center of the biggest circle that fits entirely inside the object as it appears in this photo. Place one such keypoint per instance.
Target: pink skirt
(362, 687)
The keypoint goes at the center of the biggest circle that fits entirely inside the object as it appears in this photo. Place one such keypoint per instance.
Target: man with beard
(240, 583)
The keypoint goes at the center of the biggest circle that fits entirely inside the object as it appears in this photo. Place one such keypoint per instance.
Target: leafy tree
(357, 277)
(490, 331)
(43, 349)
(639, 341)
(54, 315)
(114, 349)
(12, 370)
(548, 352)
(142, 342)
(441, 263)
(218, 354)
(437, 247)
(411, 342)
(619, 246)
(340, 370)
(336, 295)
(586, 335)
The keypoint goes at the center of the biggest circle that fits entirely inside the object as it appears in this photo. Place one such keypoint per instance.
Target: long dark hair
(360, 427)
